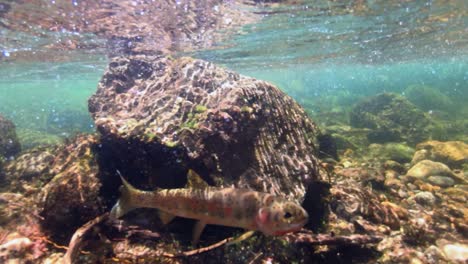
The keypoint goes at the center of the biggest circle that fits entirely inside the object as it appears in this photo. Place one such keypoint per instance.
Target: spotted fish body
(233, 207)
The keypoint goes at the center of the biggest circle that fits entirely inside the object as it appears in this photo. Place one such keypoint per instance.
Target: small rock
(426, 168)
(416, 261)
(402, 194)
(420, 155)
(395, 166)
(441, 181)
(391, 174)
(347, 164)
(457, 194)
(424, 198)
(456, 252)
(15, 245)
(434, 255)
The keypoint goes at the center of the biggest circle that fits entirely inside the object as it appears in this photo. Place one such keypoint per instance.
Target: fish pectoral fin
(165, 217)
(195, 181)
(241, 238)
(197, 230)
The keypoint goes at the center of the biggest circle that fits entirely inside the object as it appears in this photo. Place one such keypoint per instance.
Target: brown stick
(77, 238)
(302, 237)
(199, 250)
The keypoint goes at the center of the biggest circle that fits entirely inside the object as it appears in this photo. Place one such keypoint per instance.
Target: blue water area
(328, 87)
(325, 54)
(328, 54)
(49, 97)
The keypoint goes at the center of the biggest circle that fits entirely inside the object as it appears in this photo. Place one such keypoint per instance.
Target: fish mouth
(292, 228)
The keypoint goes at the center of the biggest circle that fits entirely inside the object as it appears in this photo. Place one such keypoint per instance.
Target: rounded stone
(420, 155)
(456, 252)
(424, 198)
(426, 168)
(441, 181)
(395, 166)
(434, 255)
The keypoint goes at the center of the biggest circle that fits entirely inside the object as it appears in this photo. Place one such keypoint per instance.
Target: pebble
(456, 252)
(420, 155)
(434, 255)
(424, 198)
(394, 166)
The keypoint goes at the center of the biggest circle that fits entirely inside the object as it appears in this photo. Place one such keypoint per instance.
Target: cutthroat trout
(244, 208)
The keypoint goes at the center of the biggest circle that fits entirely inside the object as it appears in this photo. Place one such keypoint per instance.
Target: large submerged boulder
(71, 196)
(160, 116)
(392, 118)
(60, 183)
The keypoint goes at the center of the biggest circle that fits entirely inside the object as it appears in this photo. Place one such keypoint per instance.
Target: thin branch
(77, 238)
(199, 250)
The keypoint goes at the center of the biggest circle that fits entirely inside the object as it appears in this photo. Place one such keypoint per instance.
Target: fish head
(281, 217)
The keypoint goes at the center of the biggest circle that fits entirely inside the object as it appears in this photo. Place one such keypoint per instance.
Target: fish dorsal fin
(195, 181)
(165, 217)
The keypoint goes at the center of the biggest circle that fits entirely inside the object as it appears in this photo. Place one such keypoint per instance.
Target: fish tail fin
(125, 203)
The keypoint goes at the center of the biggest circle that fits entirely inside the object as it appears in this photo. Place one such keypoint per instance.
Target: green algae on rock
(30, 171)
(72, 196)
(391, 118)
(233, 129)
(34, 138)
(398, 152)
(428, 98)
(9, 144)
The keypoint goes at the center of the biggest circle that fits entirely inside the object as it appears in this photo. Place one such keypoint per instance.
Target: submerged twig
(199, 250)
(77, 238)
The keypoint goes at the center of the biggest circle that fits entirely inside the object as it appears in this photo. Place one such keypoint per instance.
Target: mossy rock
(72, 196)
(428, 98)
(392, 151)
(9, 144)
(392, 118)
(34, 138)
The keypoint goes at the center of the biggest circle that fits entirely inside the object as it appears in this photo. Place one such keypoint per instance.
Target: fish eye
(287, 215)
